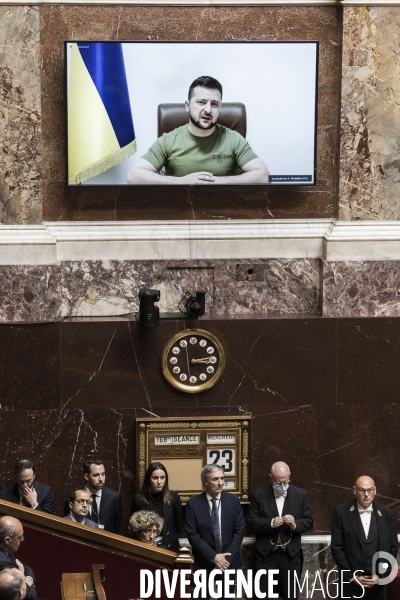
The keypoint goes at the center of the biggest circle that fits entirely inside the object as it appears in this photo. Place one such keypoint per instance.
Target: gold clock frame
(201, 387)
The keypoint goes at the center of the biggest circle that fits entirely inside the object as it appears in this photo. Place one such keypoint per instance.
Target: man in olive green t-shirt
(202, 151)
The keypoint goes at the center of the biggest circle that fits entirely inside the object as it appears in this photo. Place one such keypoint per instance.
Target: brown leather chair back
(171, 116)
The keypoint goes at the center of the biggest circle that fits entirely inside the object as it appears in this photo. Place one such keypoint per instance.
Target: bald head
(12, 585)
(364, 491)
(280, 469)
(11, 533)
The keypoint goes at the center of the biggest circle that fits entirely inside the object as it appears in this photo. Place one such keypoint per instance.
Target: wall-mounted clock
(193, 360)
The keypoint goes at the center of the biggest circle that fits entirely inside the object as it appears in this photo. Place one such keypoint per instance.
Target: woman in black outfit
(155, 495)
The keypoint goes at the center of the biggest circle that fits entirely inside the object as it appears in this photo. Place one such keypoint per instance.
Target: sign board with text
(185, 446)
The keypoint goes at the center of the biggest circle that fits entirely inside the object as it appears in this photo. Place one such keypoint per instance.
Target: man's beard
(200, 125)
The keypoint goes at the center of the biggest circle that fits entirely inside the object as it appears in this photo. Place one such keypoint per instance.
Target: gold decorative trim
(142, 457)
(245, 461)
(104, 164)
(193, 424)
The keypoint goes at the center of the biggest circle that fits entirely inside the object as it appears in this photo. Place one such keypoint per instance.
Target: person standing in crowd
(79, 505)
(26, 490)
(279, 514)
(362, 528)
(156, 496)
(215, 524)
(11, 536)
(106, 507)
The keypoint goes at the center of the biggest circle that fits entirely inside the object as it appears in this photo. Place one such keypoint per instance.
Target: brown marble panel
(287, 286)
(352, 441)
(29, 367)
(368, 355)
(105, 288)
(187, 23)
(30, 293)
(267, 362)
(100, 366)
(361, 289)
(20, 116)
(369, 161)
(13, 441)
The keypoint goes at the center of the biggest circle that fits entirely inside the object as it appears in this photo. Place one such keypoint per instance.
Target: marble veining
(370, 138)
(361, 289)
(20, 116)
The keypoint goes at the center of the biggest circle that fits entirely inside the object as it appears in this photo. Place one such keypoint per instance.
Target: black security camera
(195, 304)
(149, 315)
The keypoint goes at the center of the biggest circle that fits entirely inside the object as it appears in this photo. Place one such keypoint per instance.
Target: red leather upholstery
(232, 115)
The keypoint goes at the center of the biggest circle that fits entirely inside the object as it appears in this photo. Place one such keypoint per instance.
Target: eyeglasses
(363, 491)
(281, 483)
(151, 531)
(88, 502)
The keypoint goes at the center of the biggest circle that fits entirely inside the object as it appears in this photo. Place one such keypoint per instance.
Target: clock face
(193, 360)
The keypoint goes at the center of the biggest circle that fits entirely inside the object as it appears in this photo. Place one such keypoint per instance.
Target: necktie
(215, 526)
(95, 514)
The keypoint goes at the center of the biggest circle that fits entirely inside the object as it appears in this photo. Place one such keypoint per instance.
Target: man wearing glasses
(279, 514)
(360, 529)
(79, 504)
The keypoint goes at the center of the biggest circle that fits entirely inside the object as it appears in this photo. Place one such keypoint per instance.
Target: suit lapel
(270, 507)
(15, 494)
(354, 518)
(206, 508)
(288, 506)
(380, 521)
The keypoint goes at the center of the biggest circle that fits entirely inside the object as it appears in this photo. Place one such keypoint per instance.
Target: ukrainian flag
(100, 124)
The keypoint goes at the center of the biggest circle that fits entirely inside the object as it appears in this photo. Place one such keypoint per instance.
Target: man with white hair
(12, 585)
(279, 514)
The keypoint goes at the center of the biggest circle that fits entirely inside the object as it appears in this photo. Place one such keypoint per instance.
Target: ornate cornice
(194, 240)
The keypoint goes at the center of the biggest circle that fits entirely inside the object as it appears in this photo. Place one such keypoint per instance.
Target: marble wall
(370, 144)
(107, 288)
(20, 116)
(322, 394)
(32, 117)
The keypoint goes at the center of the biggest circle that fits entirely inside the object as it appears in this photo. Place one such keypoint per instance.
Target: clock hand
(205, 361)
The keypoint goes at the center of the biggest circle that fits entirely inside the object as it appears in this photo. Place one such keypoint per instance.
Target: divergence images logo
(383, 562)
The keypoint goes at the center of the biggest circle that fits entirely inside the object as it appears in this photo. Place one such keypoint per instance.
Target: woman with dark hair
(156, 496)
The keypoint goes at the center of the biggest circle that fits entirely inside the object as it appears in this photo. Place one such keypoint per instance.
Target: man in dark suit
(26, 490)
(11, 536)
(360, 529)
(106, 507)
(279, 514)
(215, 524)
(79, 504)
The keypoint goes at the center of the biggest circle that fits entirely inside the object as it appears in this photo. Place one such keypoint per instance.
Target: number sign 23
(224, 457)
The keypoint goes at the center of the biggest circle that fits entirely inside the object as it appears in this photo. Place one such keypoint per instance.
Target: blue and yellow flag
(100, 124)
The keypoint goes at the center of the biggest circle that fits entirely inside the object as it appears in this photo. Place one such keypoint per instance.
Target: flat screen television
(209, 113)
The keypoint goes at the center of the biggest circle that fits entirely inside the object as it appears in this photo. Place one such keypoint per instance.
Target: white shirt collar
(217, 497)
(98, 493)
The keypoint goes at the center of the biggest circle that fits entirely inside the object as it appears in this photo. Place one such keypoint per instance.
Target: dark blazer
(263, 509)
(7, 561)
(45, 496)
(200, 533)
(172, 515)
(348, 534)
(87, 522)
(110, 510)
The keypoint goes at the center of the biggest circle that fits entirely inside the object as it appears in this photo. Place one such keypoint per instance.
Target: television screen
(207, 113)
